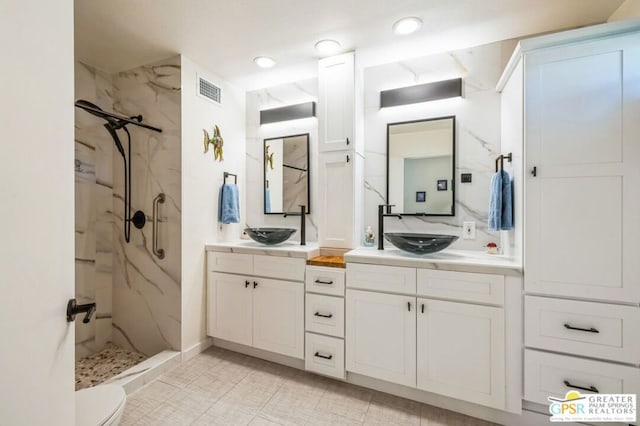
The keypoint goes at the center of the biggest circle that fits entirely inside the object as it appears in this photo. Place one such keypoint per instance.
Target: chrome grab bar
(157, 251)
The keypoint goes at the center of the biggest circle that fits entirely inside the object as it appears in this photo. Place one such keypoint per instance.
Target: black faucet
(381, 216)
(303, 224)
(74, 309)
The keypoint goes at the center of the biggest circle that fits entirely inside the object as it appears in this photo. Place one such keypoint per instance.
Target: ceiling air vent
(208, 90)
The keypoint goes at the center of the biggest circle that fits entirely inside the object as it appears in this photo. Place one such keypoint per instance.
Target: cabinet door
(381, 336)
(336, 102)
(229, 307)
(278, 317)
(336, 192)
(461, 351)
(582, 207)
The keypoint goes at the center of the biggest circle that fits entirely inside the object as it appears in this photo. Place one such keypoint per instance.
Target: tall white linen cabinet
(572, 101)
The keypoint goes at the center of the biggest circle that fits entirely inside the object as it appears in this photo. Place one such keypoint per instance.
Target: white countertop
(449, 260)
(285, 249)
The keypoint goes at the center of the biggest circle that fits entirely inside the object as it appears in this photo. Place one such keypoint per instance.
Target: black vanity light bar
(291, 112)
(421, 93)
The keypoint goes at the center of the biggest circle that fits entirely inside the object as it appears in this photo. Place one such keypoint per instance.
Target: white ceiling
(225, 35)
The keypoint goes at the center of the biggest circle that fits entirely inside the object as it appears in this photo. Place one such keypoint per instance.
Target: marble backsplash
(273, 97)
(146, 289)
(477, 135)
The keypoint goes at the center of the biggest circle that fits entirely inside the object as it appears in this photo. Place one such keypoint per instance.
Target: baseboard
(259, 353)
(197, 349)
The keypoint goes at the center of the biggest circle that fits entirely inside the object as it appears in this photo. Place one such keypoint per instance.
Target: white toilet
(101, 405)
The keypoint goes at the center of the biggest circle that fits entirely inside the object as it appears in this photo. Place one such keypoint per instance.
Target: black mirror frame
(453, 160)
(264, 174)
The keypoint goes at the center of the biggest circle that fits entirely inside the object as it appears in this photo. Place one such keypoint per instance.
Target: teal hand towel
(495, 202)
(230, 204)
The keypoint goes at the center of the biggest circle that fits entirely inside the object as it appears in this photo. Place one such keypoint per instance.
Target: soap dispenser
(369, 237)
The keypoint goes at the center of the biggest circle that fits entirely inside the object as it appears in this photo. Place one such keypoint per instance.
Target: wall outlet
(468, 230)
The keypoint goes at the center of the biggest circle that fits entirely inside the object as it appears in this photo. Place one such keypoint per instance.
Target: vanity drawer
(284, 268)
(324, 355)
(381, 278)
(325, 314)
(464, 286)
(325, 280)
(547, 374)
(598, 330)
(234, 263)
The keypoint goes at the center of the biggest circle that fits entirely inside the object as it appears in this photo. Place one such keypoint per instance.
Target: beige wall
(201, 181)
(628, 9)
(37, 215)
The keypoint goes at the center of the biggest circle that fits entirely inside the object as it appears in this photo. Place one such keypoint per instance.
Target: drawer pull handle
(409, 306)
(319, 355)
(590, 388)
(318, 314)
(246, 284)
(422, 308)
(255, 284)
(323, 282)
(589, 330)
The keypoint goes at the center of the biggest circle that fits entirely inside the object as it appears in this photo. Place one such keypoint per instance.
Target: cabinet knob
(409, 306)
(422, 308)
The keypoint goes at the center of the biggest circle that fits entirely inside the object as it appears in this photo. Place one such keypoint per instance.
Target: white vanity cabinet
(324, 321)
(381, 336)
(263, 312)
(230, 308)
(461, 351)
(400, 329)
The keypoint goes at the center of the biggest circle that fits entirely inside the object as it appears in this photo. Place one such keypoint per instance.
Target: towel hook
(227, 174)
(501, 158)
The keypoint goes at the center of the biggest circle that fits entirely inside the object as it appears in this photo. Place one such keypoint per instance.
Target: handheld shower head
(112, 131)
(94, 109)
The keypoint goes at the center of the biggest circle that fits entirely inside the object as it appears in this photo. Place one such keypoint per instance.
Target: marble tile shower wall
(93, 210)
(477, 134)
(273, 97)
(146, 289)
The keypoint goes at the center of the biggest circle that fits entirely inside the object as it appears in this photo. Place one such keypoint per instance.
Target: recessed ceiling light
(407, 25)
(327, 47)
(264, 61)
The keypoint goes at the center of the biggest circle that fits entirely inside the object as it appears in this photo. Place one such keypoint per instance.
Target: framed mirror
(421, 166)
(286, 174)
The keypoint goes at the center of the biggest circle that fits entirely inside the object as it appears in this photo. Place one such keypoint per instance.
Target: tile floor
(220, 387)
(101, 366)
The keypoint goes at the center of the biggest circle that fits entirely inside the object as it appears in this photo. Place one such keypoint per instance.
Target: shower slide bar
(136, 120)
